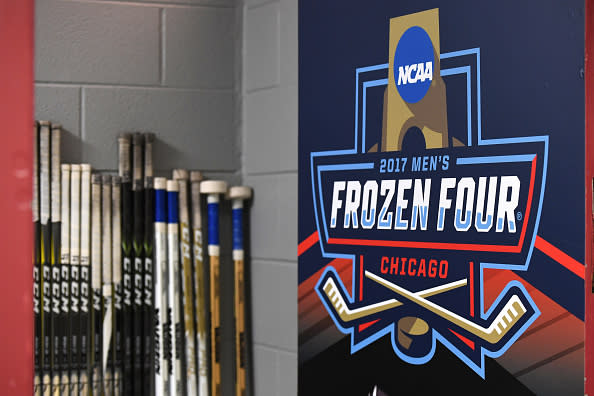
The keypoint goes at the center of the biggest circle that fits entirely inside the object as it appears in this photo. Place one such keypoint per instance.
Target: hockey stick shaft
(148, 296)
(96, 280)
(202, 335)
(83, 271)
(124, 145)
(162, 352)
(107, 286)
(44, 197)
(36, 266)
(116, 269)
(240, 352)
(214, 189)
(176, 382)
(186, 282)
(58, 320)
(238, 195)
(65, 281)
(138, 267)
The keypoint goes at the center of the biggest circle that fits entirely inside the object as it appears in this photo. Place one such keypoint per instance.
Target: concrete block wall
(216, 80)
(269, 164)
(103, 67)
(171, 67)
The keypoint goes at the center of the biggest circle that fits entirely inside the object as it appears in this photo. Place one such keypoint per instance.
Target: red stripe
(363, 326)
(361, 278)
(451, 246)
(307, 243)
(471, 287)
(464, 339)
(562, 258)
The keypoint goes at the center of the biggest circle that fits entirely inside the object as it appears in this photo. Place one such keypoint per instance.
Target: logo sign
(421, 225)
(413, 64)
(452, 200)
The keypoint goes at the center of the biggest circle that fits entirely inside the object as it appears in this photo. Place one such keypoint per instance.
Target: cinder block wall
(269, 133)
(216, 80)
(171, 67)
(103, 67)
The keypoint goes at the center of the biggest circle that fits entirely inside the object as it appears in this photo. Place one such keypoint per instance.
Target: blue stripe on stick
(213, 224)
(160, 206)
(172, 207)
(238, 229)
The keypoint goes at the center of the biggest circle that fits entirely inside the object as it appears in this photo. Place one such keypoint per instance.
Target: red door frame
(16, 115)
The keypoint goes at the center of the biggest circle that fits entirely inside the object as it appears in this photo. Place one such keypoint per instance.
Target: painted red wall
(16, 115)
(589, 78)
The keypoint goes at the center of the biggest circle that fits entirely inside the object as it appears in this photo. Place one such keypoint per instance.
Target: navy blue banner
(441, 186)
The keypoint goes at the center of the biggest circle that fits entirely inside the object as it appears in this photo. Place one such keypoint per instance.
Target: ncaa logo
(413, 64)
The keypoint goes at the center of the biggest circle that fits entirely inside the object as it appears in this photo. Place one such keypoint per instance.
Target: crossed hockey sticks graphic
(509, 315)
(347, 314)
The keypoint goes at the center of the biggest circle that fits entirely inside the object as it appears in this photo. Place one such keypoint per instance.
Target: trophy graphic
(415, 99)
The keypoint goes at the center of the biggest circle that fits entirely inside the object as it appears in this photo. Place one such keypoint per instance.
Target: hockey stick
(348, 314)
(509, 315)
(44, 198)
(65, 281)
(148, 297)
(182, 176)
(116, 272)
(176, 381)
(238, 195)
(138, 271)
(36, 265)
(199, 287)
(125, 319)
(96, 275)
(162, 361)
(81, 176)
(214, 188)
(106, 286)
(58, 320)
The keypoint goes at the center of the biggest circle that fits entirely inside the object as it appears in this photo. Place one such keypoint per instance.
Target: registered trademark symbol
(519, 216)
